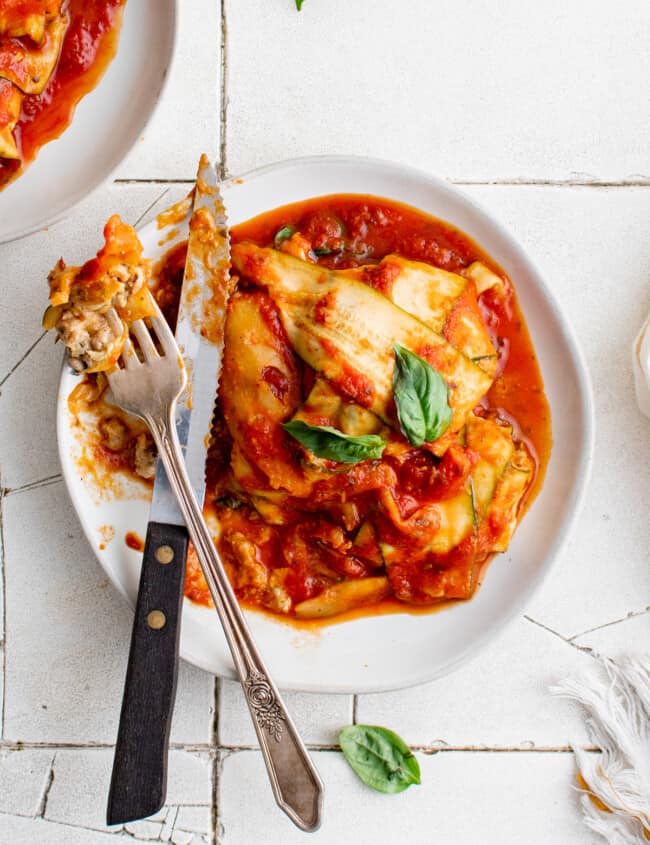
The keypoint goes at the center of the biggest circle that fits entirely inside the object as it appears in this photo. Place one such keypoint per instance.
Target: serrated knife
(139, 779)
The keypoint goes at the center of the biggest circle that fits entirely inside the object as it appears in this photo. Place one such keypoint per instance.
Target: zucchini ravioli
(381, 421)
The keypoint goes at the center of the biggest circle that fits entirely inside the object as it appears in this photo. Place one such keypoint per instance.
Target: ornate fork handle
(296, 784)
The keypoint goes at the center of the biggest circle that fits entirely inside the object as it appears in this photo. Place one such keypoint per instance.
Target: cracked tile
(24, 778)
(628, 636)
(27, 831)
(318, 717)
(464, 798)
(67, 640)
(37, 379)
(501, 699)
(80, 789)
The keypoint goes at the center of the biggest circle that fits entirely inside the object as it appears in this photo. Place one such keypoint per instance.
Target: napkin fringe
(615, 829)
(616, 700)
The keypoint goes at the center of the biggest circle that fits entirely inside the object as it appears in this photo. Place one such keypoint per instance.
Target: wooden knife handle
(139, 779)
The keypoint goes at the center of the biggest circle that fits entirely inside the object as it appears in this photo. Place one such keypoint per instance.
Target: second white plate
(106, 124)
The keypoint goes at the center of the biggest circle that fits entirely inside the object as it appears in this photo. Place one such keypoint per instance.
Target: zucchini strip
(346, 330)
(446, 302)
(484, 496)
(508, 496)
(346, 595)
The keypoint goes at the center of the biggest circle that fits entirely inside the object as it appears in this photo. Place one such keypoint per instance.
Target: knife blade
(139, 778)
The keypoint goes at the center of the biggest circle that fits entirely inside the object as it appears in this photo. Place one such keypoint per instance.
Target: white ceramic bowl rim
(303, 672)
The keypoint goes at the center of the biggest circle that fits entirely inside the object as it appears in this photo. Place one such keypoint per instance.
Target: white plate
(106, 124)
(384, 652)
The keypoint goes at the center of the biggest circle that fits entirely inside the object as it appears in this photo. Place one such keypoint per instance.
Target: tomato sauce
(346, 232)
(89, 45)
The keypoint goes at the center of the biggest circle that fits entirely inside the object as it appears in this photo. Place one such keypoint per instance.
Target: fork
(149, 387)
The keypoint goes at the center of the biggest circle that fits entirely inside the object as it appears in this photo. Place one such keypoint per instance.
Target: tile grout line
(32, 485)
(225, 750)
(46, 790)
(531, 182)
(214, 809)
(184, 180)
(566, 640)
(498, 183)
(149, 207)
(22, 358)
(631, 615)
(223, 113)
(3, 609)
(223, 116)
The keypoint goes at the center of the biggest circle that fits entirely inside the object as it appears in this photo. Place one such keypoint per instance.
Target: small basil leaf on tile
(381, 758)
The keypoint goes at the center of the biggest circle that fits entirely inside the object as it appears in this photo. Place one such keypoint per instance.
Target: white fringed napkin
(616, 700)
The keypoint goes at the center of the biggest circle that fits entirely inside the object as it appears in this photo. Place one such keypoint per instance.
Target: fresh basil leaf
(326, 442)
(421, 397)
(283, 234)
(323, 251)
(379, 757)
(299, 4)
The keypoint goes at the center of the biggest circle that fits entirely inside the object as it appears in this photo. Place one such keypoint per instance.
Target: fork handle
(296, 784)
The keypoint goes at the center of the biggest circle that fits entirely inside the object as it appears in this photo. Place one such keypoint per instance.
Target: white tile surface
(25, 776)
(68, 633)
(319, 718)
(67, 803)
(79, 788)
(472, 91)
(186, 122)
(469, 90)
(499, 700)
(464, 798)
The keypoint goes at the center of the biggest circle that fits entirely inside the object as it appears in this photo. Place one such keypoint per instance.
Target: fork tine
(131, 360)
(164, 335)
(147, 345)
(114, 321)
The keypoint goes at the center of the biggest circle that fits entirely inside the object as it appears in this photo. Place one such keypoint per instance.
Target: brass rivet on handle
(164, 554)
(156, 619)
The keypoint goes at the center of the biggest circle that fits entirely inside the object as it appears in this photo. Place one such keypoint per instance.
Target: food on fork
(91, 306)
